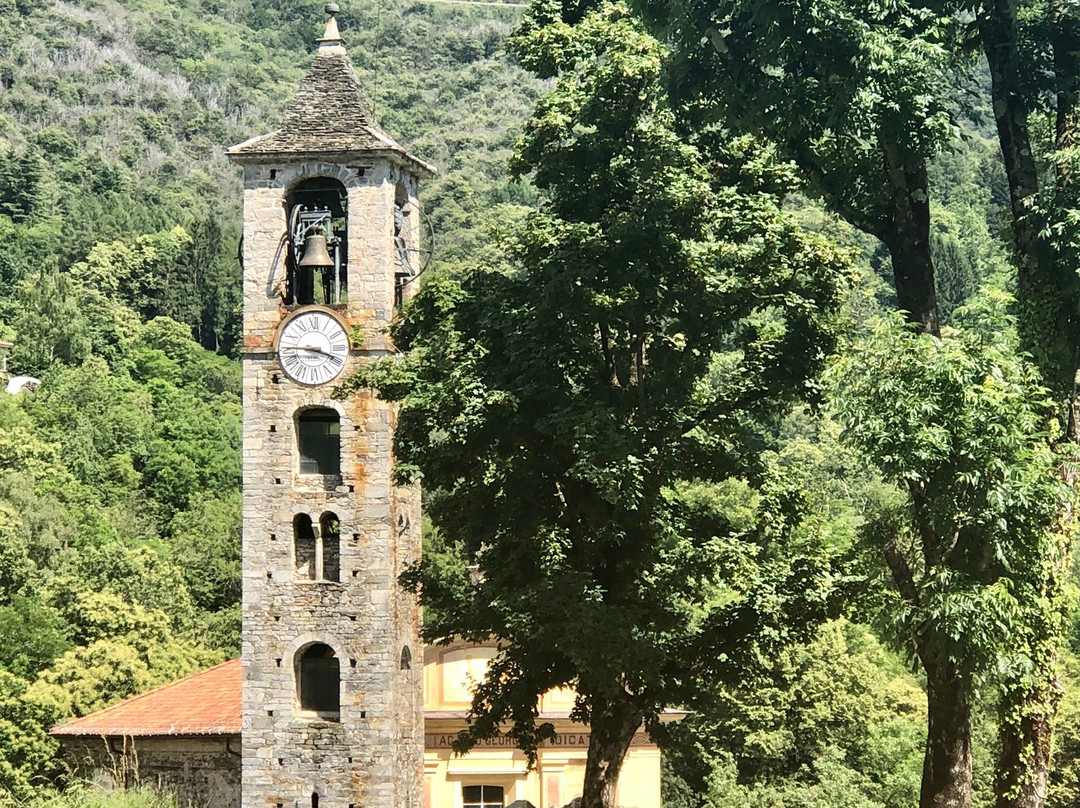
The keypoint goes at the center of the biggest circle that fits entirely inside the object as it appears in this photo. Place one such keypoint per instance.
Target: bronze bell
(315, 253)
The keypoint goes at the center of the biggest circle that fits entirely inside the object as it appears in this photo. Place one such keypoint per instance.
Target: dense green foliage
(661, 313)
(119, 476)
(834, 722)
(103, 469)
(119, 222)
(864, 96)
(963, 428)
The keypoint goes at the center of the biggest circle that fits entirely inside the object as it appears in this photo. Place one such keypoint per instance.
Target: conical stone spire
(330, 113)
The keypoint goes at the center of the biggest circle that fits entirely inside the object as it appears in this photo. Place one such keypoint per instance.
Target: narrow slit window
(404, 271)
(319, 437)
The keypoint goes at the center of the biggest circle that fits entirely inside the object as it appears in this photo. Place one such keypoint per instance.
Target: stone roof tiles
(330, 114)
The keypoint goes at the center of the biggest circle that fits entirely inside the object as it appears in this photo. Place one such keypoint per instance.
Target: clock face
(313, 348)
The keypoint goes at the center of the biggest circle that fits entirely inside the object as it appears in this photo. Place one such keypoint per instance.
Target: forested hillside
(115, 118)
(120, 288)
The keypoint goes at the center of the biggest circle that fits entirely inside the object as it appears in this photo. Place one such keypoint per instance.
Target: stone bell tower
(332, 700)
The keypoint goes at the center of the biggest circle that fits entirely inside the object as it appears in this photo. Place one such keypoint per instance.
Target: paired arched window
(318, 437)
(304, 546)
(318, 679)
(317, 551)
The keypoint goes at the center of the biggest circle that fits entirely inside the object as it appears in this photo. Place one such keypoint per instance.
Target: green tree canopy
(860, 95)
(963, 428)
(582, 420)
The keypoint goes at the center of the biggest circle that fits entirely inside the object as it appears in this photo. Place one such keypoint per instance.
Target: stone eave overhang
(400, 159)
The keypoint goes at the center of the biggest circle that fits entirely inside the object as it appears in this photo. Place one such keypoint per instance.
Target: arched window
(330, 544)
(318, 207)
(318, 435)
(318, 675)
(406, 659)
(304, 545)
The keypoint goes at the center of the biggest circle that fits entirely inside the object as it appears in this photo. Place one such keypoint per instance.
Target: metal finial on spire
(332, 37)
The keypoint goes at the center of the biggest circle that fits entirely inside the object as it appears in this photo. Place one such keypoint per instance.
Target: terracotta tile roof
(206, 703)
(329, 114)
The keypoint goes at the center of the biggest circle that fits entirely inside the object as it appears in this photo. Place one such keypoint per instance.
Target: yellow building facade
(495, 773)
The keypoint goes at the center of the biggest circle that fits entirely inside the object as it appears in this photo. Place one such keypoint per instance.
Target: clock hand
(332, 357)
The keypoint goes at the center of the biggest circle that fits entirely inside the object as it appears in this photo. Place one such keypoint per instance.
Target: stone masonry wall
(371, 756)
(198, 772)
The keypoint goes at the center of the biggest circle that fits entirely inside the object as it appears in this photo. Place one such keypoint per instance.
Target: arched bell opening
(317, 261)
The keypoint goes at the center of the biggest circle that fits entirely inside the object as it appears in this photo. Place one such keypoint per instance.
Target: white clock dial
(313, 348)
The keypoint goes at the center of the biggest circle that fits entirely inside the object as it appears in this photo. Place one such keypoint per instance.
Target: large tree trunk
(1025, 728)
(1028, 706)
(1046, 304)
(908, 240)
(946, 781)
(612, 724)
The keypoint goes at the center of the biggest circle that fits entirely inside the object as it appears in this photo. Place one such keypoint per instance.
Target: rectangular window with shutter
(319, 437)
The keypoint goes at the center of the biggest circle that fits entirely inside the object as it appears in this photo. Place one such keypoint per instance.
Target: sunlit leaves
(587, 420)
(834, 84)
(966, 432)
